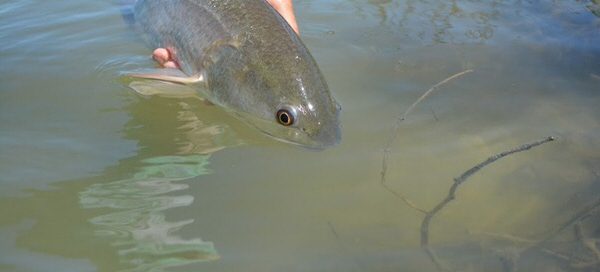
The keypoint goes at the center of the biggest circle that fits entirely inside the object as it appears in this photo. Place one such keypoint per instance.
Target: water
(97, 178)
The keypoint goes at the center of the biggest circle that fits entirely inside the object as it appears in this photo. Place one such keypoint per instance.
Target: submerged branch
(429, 215)
(428, 92)
(387, 148)
(343, 248)
(571, 259)
(435, 260)
(503, 236)
(576, 218)
(434, 115)
(459, 181)
(408, 202)
(588, 243)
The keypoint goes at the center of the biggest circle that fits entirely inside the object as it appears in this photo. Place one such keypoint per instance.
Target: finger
(286, 9)
(170, 64)
(161, 55)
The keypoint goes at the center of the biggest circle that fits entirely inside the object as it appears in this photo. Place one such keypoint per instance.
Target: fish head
(296, 107)
(284, 97)
(302, 113)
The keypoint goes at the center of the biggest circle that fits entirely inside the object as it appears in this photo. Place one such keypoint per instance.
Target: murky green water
(97, 178)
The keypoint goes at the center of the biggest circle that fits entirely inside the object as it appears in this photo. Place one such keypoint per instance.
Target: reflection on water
(128, 215)
(594, 7)
(98, 178)
(138, 226)
(133, 217)
(460, 22)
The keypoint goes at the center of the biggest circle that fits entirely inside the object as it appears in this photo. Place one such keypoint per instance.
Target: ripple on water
(136, 222)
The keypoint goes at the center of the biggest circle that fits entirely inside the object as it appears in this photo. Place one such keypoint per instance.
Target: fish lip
(326, 138)
(315, 146)
(332, 139)
(310, 144)
(328, 135)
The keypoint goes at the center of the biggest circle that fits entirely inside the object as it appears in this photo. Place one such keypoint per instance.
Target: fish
(243, 56)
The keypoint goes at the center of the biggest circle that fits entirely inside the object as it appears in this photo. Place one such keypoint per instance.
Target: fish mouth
(328, 133)
(298, 138)
(326, 136)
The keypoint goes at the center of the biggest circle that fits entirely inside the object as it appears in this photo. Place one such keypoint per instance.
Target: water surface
(98, 178)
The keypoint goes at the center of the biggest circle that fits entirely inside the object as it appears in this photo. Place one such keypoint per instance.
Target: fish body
(249, 61)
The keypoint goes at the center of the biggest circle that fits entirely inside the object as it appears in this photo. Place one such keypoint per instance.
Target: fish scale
(245, 58)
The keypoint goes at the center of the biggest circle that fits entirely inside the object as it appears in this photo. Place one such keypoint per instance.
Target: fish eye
(285, 117)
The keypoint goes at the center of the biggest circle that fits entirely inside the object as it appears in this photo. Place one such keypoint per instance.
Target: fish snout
(327, 135)
(331, 136)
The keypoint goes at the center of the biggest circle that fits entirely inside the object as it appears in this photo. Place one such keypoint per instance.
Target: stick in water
(452, 193)
(387, 149)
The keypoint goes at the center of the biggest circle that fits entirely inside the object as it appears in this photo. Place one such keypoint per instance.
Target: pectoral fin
(169, 75)
(163, 89)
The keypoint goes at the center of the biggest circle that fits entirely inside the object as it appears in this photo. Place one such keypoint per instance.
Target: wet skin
(251, 62)
(284, 7)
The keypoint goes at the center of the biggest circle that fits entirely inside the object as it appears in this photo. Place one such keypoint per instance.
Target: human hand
(166, 59)
(286, 9)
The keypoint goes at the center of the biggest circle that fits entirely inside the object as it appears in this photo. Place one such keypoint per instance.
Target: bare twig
(585, 265)
(428, 92)
(333, 231)
(570, 260)
(435, 260)
(434, 115)
(520, 240)
(509, 257)
(591, 245)
(508, 237)
(459, 181)
(402, 117)
(577, 217)
(395, 130)
(404, 199)
(343, 248)
(556, 254)
(408, 202)
(588, 243)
